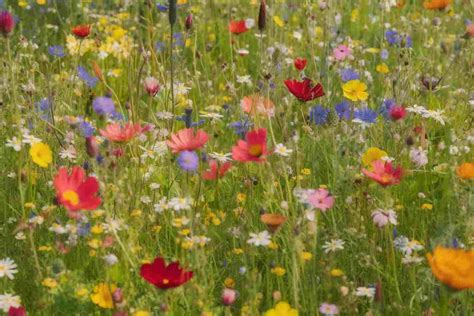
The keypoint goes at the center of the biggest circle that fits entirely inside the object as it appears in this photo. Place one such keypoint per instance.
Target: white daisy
(260, 239)
(9, 300)
(8, 268)
(282, 150)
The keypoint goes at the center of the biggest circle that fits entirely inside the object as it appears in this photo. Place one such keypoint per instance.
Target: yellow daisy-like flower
(282, 309)
(41, 2)
(278, 271)
(372, 154)
(141, 313)
(278, 21)
(355, 90)
(49, 282)
(103, 296)
(382, 68)
(41, 154)
(306, 256)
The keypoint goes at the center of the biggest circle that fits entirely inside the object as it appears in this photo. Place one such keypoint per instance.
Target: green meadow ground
(57, 272)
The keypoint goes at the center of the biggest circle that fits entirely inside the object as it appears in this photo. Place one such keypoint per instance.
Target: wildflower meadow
(236, 157)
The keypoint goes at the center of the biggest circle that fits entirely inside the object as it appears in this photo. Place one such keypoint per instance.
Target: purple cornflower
(87, 130)
(56, 51)
(392, 37)
(43, 107)
(343, 110)
(188, 161)
(103, 105)
(348, 74)
(89, 79)
(318, 115)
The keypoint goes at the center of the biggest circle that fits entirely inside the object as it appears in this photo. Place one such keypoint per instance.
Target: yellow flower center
(71, 197)
(256, 150)
(166, 281)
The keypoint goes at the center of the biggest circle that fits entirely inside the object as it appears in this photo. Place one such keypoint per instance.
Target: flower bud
(189, 22)
(152, 86)
(262, 16)
(92, 147)
(7, 23)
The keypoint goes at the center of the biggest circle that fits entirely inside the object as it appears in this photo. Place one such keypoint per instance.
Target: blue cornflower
(89, 79)
(348, 74)
(161, 7)
(56, 51)
(83, 229)
(87, 130)
(343, 110)
(385, 107)
(178, 39)
(241, 127)
(188, 161)
(392, 37)
(43, 108)
(365, 115)
(103, 105)
(408, 42)
(384, 54)
(318, 114)
(160, 46)
(188, 119)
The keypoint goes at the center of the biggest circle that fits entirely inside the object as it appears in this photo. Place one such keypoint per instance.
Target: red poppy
(216, 170)
(304, 90)
(300, 63)
(384, 173)
(7, 23)
(165, 276)
(242, 26)
(254, 148)
(81, 31)
(76, 191)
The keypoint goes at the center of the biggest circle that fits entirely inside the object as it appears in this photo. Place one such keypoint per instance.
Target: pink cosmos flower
(116, 132)
(254, 148)
(216, 170)
(186, 139)
(384, 217)
(328, 309)
(341, 52)
(321, 199)
(384, 173)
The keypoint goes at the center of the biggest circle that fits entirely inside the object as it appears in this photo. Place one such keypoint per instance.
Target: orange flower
(436, 4)
(466, 170)
(81, 31)
(273, 221)
(453, 267)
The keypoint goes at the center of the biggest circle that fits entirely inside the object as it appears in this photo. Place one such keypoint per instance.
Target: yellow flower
(142, 313)
(41, 154)
(136, 213)
(229, 283)
(241, 197)
(279, 271)
(103, 296)
(22, 3)
(49, 282)
(427, 206)
(355, 90)
(41, 2)
(282, 309)
(372, 154)
(453, 267)
(337, 272)
(238, 251)
(306, 171)
(45, 248)
(354, 15)
(382, 68)
(278, 21)
(94, 243)
(306, 256)
(81, 292)
(97, 229)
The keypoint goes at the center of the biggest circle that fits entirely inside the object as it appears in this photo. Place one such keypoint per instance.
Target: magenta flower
(341, 52)
(328, 309)
(321, 199)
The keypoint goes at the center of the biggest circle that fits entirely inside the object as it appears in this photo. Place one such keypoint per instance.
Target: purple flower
(43, 108)
(328, 309)
(318, 115)
(87, 130)
(188, 161)
(348, 74)
(103, 105)
(392, 37)
(343, 110)
(384, 54)
(56, 51)
(89, 79)
(385, 108)
(365, 115)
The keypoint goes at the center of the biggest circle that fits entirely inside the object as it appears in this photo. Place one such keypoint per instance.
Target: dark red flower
(163, 276)
(300, 63)
(7, 23)
(397, 112)
(81, 31)
(304, 90)
(17, 311)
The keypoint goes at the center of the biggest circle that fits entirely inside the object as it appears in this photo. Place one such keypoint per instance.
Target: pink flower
(254, 148)
(384, 173)
(116, 132)
(321, 199)
(228, 296)
(185, 139)
(152, 87)
(384, 217)
(216, 171)
(341, 52)
(328, 309)
(257, 104)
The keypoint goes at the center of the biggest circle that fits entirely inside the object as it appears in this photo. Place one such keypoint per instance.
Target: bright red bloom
(7, 23)
(304, 90)
(185, 139)
(254, 148)
(116, 132)
(16, 311)
(397, 112)
(384, 173)
(76, 191)
(81, 31)
(163, 276)
(216, 171)
(300, 63)
(242, 26)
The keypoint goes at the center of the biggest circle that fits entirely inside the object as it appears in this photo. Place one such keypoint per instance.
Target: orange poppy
(453, 267)
(466, 170)
(436, 4)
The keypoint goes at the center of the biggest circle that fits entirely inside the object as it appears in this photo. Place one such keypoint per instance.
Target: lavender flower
(188, 161)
